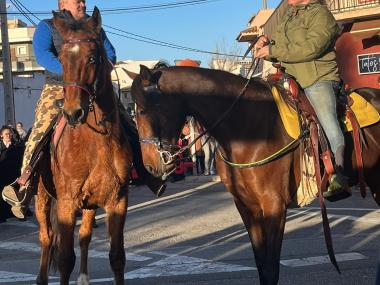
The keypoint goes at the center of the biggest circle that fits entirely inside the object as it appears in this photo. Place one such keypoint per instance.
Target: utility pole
(9, 104)
(265, 6)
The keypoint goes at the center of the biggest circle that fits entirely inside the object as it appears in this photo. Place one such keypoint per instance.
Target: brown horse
(251, 131)
(91, 164)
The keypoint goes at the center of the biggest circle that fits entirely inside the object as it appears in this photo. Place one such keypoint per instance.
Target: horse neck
(254, 116)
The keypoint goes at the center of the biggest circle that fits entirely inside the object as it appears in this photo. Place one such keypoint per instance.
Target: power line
(134, 9)
(18, 7)
(25, 8)
(136, 37)
(144, 39)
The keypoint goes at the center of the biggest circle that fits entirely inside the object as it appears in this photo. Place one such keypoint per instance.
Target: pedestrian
(209, 149)
(47, 43)
(304, 44)
(20, 130)
(11, 152)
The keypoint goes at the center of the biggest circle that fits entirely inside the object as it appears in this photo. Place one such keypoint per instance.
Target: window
(21, 50)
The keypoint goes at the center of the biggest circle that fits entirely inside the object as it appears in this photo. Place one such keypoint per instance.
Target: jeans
(322, 96)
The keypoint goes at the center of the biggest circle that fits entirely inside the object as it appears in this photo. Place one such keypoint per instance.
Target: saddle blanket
(365, 113)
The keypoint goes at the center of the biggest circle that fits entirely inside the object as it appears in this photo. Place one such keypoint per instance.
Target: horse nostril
(75, 117)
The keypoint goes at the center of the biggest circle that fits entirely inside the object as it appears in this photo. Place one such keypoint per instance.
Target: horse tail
(53, 257)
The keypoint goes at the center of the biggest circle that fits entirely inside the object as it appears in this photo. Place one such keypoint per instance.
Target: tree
(226, 57)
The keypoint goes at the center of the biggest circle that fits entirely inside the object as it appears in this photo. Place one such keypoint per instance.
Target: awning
(366, 29)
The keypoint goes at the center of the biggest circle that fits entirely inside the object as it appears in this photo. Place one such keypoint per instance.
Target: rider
(47, 44)
(304, 43)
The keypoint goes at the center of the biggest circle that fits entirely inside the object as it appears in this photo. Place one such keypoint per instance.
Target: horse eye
(141, 112)
(91, 59)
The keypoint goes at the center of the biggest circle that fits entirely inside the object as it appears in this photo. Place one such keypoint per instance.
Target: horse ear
(95, 21)
(61, 20)
(145, 73)
(131, 74)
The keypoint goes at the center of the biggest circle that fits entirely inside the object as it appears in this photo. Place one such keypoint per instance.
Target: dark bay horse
(90, 166)
(251, 131)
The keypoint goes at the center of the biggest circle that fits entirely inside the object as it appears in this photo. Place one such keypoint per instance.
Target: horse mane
(160, 64)
(220, 73)
(217, 76)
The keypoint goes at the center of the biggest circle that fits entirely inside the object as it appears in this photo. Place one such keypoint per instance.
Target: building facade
(28, 76)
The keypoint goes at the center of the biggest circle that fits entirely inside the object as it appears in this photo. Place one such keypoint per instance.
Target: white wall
(26, 94)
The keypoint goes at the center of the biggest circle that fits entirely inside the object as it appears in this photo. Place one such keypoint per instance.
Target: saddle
(298, 117)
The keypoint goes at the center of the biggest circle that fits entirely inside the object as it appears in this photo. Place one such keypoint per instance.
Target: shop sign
(368, 63)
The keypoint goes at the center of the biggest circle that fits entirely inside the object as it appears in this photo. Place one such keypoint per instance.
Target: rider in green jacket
(304, 44)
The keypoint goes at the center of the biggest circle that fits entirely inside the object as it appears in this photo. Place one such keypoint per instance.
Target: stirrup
(12, 197)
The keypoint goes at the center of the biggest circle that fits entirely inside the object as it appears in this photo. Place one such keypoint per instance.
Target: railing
(338, 6)
(335, 6)
(21, 59)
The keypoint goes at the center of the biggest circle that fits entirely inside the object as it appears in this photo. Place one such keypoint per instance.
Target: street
(194, 235)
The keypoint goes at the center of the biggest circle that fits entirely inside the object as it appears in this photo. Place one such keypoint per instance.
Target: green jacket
(304, 44)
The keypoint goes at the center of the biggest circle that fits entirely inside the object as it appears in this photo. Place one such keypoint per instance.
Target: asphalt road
(194, 235)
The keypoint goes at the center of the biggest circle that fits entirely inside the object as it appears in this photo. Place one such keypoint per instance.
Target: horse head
(82, 57)
(160, 117)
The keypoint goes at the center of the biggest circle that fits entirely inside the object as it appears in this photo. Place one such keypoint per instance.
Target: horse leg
(43, 206)
(265, 226)
(373, 183)
(116, 218)
(371, 160)
(265, 223)
(85, 233)
(66, 226)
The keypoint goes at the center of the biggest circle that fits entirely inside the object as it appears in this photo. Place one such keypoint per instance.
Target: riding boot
(338, 188)
(18, 196)
(156, 185)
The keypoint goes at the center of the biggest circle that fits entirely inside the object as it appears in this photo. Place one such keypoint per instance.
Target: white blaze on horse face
(74, 49)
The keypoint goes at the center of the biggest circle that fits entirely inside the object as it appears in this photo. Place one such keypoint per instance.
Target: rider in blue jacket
(47, 43)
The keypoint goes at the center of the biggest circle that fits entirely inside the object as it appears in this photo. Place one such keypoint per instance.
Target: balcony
(350, 9)
(23, 64)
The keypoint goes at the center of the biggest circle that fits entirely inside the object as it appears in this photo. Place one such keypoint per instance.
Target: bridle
(168, 157)
(92, 88)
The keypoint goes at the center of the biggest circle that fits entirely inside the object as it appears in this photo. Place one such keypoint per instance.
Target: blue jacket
(47, 53)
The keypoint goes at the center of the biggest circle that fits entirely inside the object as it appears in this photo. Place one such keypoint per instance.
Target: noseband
(89, 89)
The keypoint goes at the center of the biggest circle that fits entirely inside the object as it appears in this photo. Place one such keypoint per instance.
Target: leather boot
(156, 185)
(338, 188)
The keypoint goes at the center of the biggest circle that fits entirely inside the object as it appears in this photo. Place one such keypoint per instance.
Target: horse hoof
(83, 279)
(39, 281)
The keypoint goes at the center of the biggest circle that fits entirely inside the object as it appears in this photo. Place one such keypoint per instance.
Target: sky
(201, 26)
